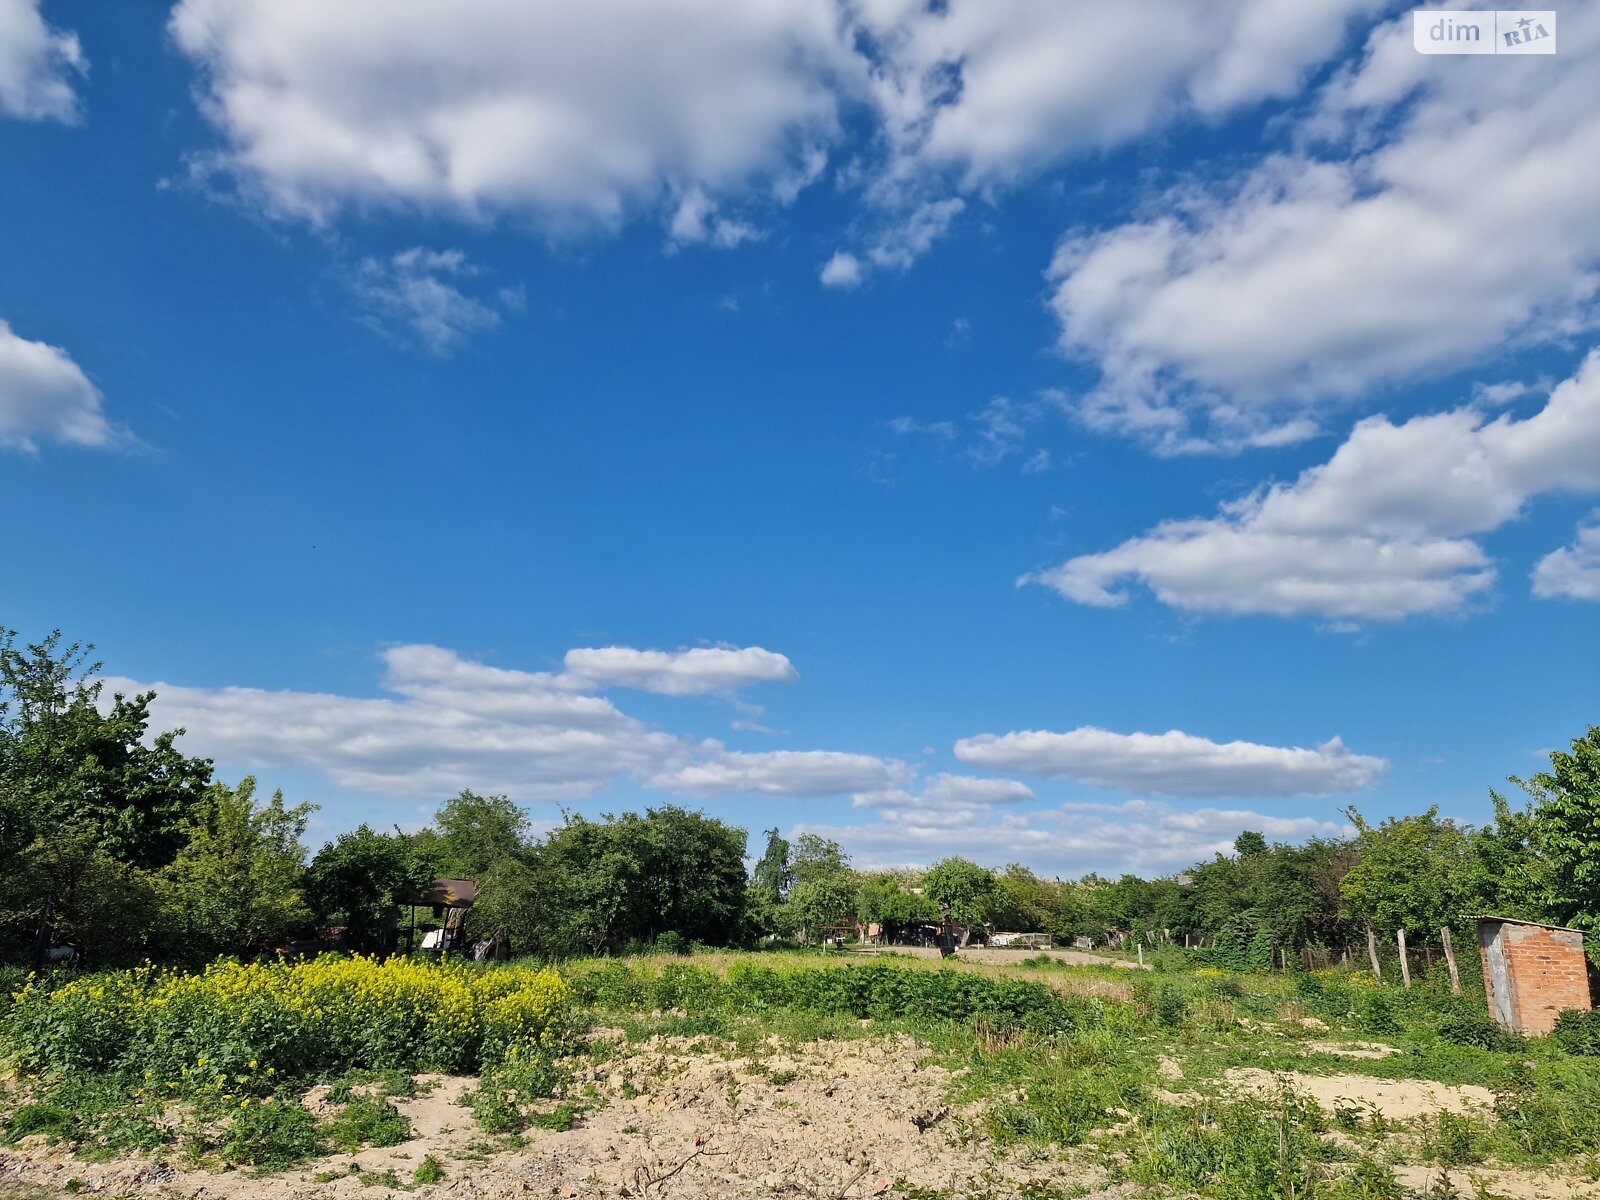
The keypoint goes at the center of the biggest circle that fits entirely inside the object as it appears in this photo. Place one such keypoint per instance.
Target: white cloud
(456, 723)
(945, 799)
(681, 672)
(417, 294)
(1455, 211)
(39, 66)
(1142, 836)
(697, 222)
(450, 722)
(582, 113)
(1379, 532)
(1173, 763)
(1572, 572)
(996, 90)
(784, 773)
(46, 397)
(569, 113)
(978, 96)
(1003, 426)
(1002, 430)
(843, 270)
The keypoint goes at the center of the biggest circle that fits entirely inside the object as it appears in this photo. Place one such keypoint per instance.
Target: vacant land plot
(763, 1075)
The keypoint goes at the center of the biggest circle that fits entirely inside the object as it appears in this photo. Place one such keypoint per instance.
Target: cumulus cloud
(1381, 531)
(418, 294)
(681, 672)
(571, 113)
(977, 96)
(784, 773)
(46, 397)
(1143, 836)
(451, 722)
(843, 270)
(1572, 572)
(39, 66)
(945, 799)
(1173, 763)
(1453, 210)
(454, 723)
(583, 113)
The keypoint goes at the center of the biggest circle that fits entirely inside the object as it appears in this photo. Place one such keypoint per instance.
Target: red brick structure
(1532, 972)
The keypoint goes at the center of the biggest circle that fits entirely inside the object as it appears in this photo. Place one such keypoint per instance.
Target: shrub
(368, 1121)
(1578, 1032)
(671, 942)
(1475, 1029)
(1171, 1005)
(1237, 1150)
(692, 989)
(271, 1134)
(241, 1030)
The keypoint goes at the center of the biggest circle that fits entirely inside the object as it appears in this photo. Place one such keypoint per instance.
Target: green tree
(1249, 843)
(235, 887)
(357, 879)
(963, 890)
(91, 901)
(474, 833)
(816, 858)
(1566, 826)
(822, 903)
(65, 764)
(629, 879)
(886, 898)
(1415, 873)
(771, 877)
(82, 787)
(770, 881)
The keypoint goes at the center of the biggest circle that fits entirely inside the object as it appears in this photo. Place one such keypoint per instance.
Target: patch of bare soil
(670, 1117)
(1394, 1099)
(1353, 1049)
(1471, 1182)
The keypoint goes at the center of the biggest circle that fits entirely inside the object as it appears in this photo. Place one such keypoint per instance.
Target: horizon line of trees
(117, 844)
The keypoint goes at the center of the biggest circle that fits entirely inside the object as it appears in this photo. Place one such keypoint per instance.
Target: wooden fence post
(1450, 960)
(1405, 967)
(1372, 953)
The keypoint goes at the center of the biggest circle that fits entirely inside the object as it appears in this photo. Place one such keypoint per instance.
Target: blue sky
(1020, 430)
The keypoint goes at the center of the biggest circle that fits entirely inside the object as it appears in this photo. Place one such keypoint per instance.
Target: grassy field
(764, 1074)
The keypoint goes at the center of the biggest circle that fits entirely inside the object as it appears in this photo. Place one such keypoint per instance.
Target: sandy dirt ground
(697, 1119)
(673, 1118)
(1394, 1099)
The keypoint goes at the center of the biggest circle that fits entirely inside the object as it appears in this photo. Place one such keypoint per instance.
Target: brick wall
(1532, 973)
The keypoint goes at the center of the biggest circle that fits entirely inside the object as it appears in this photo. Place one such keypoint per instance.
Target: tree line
(116, 844)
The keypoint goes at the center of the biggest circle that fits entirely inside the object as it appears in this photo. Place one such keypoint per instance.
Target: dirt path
(670, 1118)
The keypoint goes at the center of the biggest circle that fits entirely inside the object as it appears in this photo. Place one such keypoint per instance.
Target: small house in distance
(1531, 972)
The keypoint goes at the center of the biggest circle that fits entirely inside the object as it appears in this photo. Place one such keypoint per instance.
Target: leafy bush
(1578, 1032)
(368, 1121)
(878, 990)
(671, 942)
(502, 1102)
(1171, 1005)
(690, 988)
(242, 1030)
(1466, 1028)
(271, 1134)
(1237, 1150)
